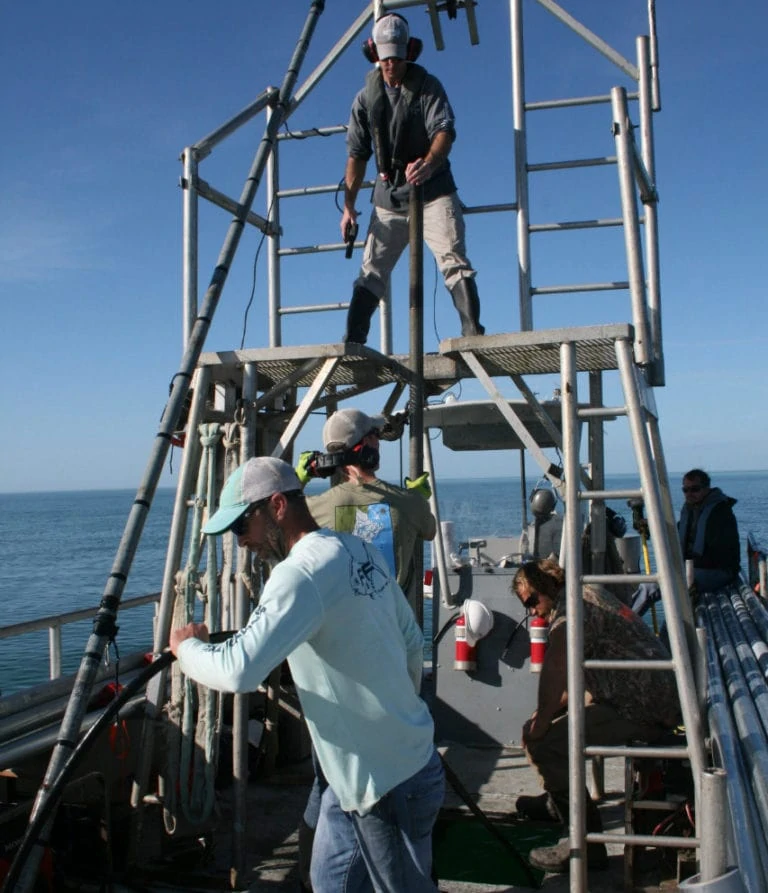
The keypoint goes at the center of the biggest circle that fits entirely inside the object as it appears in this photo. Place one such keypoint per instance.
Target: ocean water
(57, 549)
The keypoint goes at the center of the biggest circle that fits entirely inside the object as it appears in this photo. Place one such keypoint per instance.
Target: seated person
(620, 706)
(709, 536)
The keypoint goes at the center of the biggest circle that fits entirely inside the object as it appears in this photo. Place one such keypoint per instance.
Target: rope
(194, 711)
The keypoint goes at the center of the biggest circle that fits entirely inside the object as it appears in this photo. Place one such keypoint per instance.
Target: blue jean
(387, 850)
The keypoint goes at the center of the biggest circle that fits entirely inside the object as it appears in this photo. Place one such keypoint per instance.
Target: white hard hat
(478, 620)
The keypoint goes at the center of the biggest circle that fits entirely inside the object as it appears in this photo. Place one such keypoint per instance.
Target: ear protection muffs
(412, 49)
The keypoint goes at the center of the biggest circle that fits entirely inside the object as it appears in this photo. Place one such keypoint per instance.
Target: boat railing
(757, 575)
(736, 624)
(56, 622)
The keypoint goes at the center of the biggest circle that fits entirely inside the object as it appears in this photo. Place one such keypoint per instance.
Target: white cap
(390, 34)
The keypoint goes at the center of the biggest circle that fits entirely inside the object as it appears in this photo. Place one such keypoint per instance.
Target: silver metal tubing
(204, 146)
(637, 751)
(575, 289)
(748, 835)
(572, 163)
(575, 224)
(647, 840)
(447, 597)
(653, 276)
(602, 412)
(610, 494)
(316, 249)
(241, 612)
(488, 209)
(189, 214)
(713, 858)
(673, 590)
(273, 248)
(575, 613)
(206, 191)
(332, 56)
(654, 53)
(313, 131)
(592, 39)
(621, 578)
(622, 134)
(574, 101)
(629, 665)
(301, 191)
(521, 166)
(752, 736)
(313, 308)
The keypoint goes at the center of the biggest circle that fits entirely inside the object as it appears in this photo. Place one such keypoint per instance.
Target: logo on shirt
(368, 578)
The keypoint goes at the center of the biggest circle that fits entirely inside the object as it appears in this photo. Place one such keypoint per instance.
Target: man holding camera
(395, 519)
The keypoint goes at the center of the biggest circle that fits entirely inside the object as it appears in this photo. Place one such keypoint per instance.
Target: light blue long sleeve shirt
(354, 648)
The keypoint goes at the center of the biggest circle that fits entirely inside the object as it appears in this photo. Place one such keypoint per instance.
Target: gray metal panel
(489, 705)
(531, 353)
(479, 424)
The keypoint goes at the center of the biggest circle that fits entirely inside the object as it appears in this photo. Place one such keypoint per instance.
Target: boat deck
(495, 777)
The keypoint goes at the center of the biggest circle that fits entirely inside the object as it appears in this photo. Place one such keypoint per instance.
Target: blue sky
(98, 100)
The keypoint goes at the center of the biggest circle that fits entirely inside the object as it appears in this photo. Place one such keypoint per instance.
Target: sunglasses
(531, 601)
(694, 488)
(238, 527)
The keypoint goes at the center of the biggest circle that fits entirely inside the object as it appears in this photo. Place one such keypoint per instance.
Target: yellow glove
(304, 468)
(420, 485)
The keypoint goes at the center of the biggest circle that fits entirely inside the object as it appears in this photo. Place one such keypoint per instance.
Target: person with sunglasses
(709, 534)
(332, 608)
(620, 706)
(395, 519)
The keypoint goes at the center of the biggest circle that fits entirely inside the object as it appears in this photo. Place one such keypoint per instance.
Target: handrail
(55, 622)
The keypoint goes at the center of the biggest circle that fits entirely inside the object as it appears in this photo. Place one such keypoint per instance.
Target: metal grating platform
(533, 353)
(358, 365)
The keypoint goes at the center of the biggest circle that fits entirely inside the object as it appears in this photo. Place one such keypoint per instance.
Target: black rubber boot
(556, 859)
(306, 839)
(361, 308)
(537, 809)
(467, 302)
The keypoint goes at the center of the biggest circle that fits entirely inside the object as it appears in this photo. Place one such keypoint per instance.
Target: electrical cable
(56, 789)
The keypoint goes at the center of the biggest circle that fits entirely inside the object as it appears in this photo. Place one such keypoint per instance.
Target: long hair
(544, 576)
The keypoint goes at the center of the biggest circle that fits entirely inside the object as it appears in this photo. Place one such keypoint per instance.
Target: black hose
(456, 784)
(446, 626)
(55, 790)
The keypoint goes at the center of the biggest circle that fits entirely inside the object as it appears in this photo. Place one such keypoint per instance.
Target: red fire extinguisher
(465, 655)
(538, 632)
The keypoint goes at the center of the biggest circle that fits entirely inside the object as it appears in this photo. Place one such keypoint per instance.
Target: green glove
(304, 470)
(420, 485)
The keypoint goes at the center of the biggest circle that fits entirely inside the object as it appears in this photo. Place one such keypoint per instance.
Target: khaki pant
(602, 725)
(388, 236)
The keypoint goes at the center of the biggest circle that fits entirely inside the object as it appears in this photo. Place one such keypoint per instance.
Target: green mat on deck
(464, 850)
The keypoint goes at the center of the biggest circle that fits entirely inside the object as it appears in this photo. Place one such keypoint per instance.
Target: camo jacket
(612, 631)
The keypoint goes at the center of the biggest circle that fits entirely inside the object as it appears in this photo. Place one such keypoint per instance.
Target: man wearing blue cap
(332, 608)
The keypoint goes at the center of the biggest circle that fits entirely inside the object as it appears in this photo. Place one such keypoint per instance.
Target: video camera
(323, 465)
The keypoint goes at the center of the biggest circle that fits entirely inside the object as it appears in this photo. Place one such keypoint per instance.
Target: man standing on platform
(403, 117)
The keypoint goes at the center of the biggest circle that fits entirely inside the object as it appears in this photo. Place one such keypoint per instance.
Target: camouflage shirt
(612, 631)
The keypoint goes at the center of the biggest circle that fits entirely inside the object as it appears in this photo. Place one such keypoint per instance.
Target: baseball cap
(390, 34)
(254, 480)
(347, 427)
